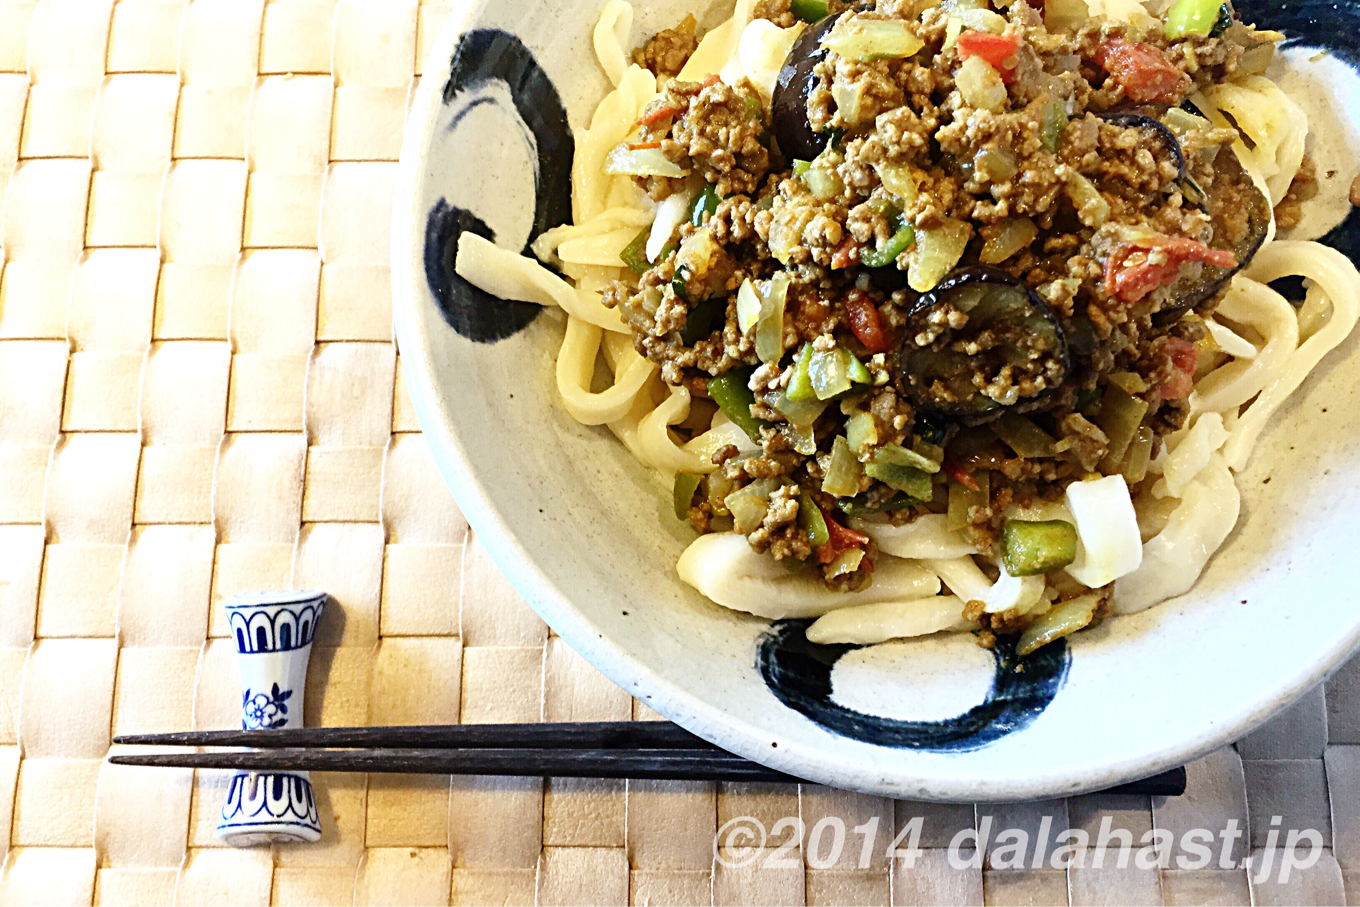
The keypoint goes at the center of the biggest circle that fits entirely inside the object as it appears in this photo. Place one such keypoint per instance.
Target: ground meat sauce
(1026, 167)
(666, 53)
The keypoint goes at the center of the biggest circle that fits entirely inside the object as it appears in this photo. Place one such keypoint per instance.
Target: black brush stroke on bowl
(798, 673)
(483, 56)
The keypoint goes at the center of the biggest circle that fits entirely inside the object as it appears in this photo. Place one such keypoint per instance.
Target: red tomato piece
(840, 256)
(839, 538)
(1143, 71)
(1184, 358)
(866, 323)
(1138, 267)
(998, 50)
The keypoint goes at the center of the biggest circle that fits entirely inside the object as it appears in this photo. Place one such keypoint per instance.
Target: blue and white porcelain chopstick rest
(273, 632)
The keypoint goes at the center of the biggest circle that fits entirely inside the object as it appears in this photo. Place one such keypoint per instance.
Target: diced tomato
(865, 322)
(840, 256)
(998, 50)
(1184, 358)
(1137, 267)
(642, 146)
(1143, 71)
(657, 114)
(956, 472)
(712, 80)
(839, 538)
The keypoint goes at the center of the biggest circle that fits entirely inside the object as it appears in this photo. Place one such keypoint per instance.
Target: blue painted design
(264, 710)
(260, 628)
(483, 56)
(1325, 23)
(257, 799)
(798, 672)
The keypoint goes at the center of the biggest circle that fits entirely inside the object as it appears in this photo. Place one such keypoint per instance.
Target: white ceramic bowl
(586, 534)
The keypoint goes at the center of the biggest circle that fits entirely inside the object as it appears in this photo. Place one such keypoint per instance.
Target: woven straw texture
(199, 394)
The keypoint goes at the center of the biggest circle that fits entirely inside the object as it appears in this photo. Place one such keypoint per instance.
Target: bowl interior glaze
(586, 534)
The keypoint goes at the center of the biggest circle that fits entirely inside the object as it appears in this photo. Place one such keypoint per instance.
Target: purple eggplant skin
(792, 130)
(1162, 133)
(1224, 197)
(1039, 318)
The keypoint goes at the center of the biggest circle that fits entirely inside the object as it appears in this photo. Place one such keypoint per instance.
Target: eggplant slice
(981, 344)
(789, 104)
(1159, 134)
(1241, 215)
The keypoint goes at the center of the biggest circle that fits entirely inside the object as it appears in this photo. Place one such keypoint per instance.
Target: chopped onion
(748, 306)
(625, 161)
(749, 503)
(1015, 234)
(1092, 208)
(830, 373)
(847, 102)
(938, 249)
(670, 214)
(983, 20)
(980, 84)
(770, 326)
(996, 165)
(858, 38)
(799, 412)
(1061, 620)
(842, 476)
(823, 182)
(898, 179)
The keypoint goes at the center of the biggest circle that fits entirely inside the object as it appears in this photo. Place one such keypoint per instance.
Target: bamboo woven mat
(199, 394)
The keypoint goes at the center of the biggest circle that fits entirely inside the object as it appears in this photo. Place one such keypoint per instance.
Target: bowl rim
(554, 605)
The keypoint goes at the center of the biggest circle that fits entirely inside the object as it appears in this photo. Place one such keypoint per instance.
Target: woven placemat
(199, 394)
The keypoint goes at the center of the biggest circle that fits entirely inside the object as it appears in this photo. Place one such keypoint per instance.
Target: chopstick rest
(273, 632)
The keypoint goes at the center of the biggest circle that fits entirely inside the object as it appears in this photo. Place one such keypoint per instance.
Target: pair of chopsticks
(644, 750)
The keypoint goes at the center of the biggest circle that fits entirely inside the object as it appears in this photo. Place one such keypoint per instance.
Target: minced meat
(927, 171)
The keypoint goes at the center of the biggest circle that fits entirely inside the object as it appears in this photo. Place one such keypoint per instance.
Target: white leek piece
(1108, 542)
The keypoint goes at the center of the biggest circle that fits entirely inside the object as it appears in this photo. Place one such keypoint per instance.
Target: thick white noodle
(1337, 278)
(924, 537)
(576, 370)
(1175, 557)
(1276, 125)
(1270, 315)
(611, 33)
(509, 275)
(655, 438)
(1192, 454)
(962, 576)
(718, 46)
(866, 625)
(723, 567)
(545, 246)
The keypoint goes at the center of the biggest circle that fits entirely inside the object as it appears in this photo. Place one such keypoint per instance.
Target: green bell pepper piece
(735, 399)
(1032, 548)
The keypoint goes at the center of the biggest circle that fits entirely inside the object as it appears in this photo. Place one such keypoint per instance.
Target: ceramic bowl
(586, 534)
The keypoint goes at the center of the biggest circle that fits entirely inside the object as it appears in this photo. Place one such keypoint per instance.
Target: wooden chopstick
(597, 735)
(639, 764)
(604, 749)
(669, 764)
